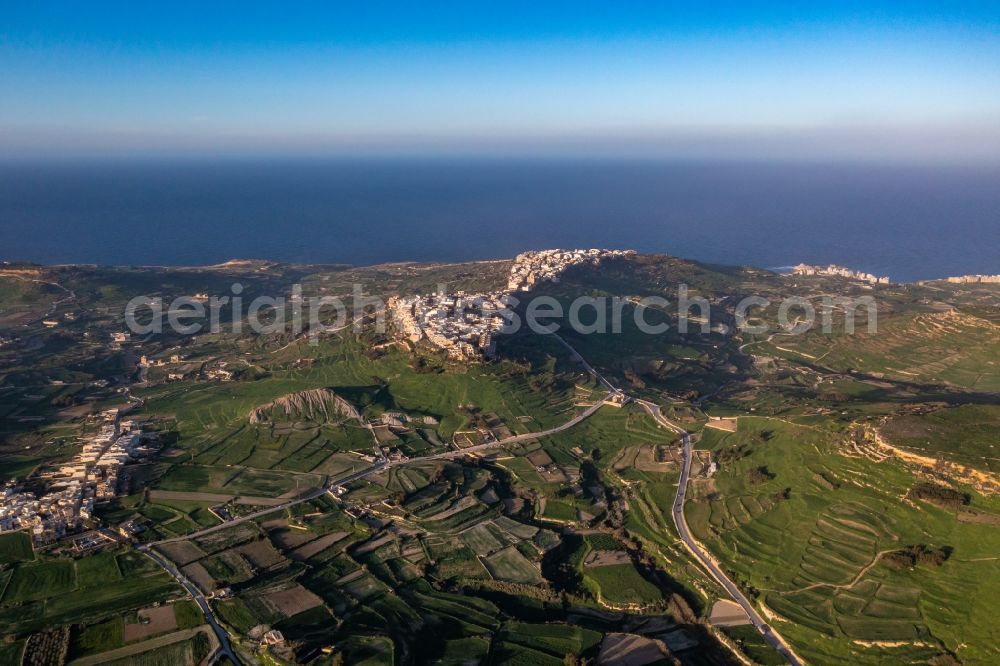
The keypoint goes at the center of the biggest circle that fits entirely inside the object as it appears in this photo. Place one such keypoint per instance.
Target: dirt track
(214, 498)
(145, 646)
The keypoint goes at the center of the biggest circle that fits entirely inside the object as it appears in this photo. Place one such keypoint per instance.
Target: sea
(909, 222)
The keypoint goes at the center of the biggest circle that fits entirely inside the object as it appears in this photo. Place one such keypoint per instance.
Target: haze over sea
(908, 222)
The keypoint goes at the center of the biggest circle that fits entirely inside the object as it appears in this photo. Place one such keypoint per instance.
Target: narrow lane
(447, 455)
(677, 512)
(225, 647)
(70, 295)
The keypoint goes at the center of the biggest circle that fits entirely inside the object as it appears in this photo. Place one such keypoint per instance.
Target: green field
(460, 651)
(560, 511)
(40, 581)
(957, 348)
(98, 570)
(10, 653)
(15, 547)
(62, 591)
(97, 638)
(555, 639)
(482, 540)
(817, 557)
(754, 646)
(533, 552)
(509, 564)
(966, 434)
(603, 542)
(622, 584)
(188, 614)
(190, 651)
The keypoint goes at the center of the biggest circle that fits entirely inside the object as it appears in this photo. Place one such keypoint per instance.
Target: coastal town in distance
(611, 497)
(500, 334)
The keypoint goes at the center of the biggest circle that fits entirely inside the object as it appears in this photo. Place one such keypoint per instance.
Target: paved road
(71, 295)
(367, 471)
(225, 648)
(677, 511)
(769, 634)
(586, 366)
(514, 439)
(272, 509)
(144, 645)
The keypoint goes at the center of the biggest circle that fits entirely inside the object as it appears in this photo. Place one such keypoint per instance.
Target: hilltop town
(563, 493)
(463, 324)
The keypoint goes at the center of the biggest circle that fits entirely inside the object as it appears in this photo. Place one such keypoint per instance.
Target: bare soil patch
(181, 552)
(726, 613)
(632, 650)
(316, 546)
(292, 600)
(374, 544)
(152, 621)
(979, 517)
(200, 577)
(651, 458)
(606, 558)
(288, 538)
(553, 474)
(728, 425)
(539, 458)
(261, 554)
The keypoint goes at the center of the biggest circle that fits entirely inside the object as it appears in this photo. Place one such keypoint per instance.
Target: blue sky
(908, 80)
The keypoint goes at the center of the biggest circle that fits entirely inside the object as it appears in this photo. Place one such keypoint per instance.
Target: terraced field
(966, 434)
(15, 547)
(951, 347)
(534, 553)
(821, 559)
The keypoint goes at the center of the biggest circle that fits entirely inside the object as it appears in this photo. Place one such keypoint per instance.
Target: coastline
(9, 267)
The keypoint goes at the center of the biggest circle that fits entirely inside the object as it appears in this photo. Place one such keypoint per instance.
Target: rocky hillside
(312, 405)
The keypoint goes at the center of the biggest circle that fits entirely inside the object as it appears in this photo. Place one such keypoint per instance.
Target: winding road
(367, 471)
(769, 634)
(71, 295)
(677, 511)
(225, 647)
(707, 562)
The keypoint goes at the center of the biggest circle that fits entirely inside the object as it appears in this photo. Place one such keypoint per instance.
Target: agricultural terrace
(966, 434)
(220, 450)
(296, 572)
(952, 346)
(15, 547)
(815, 537)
